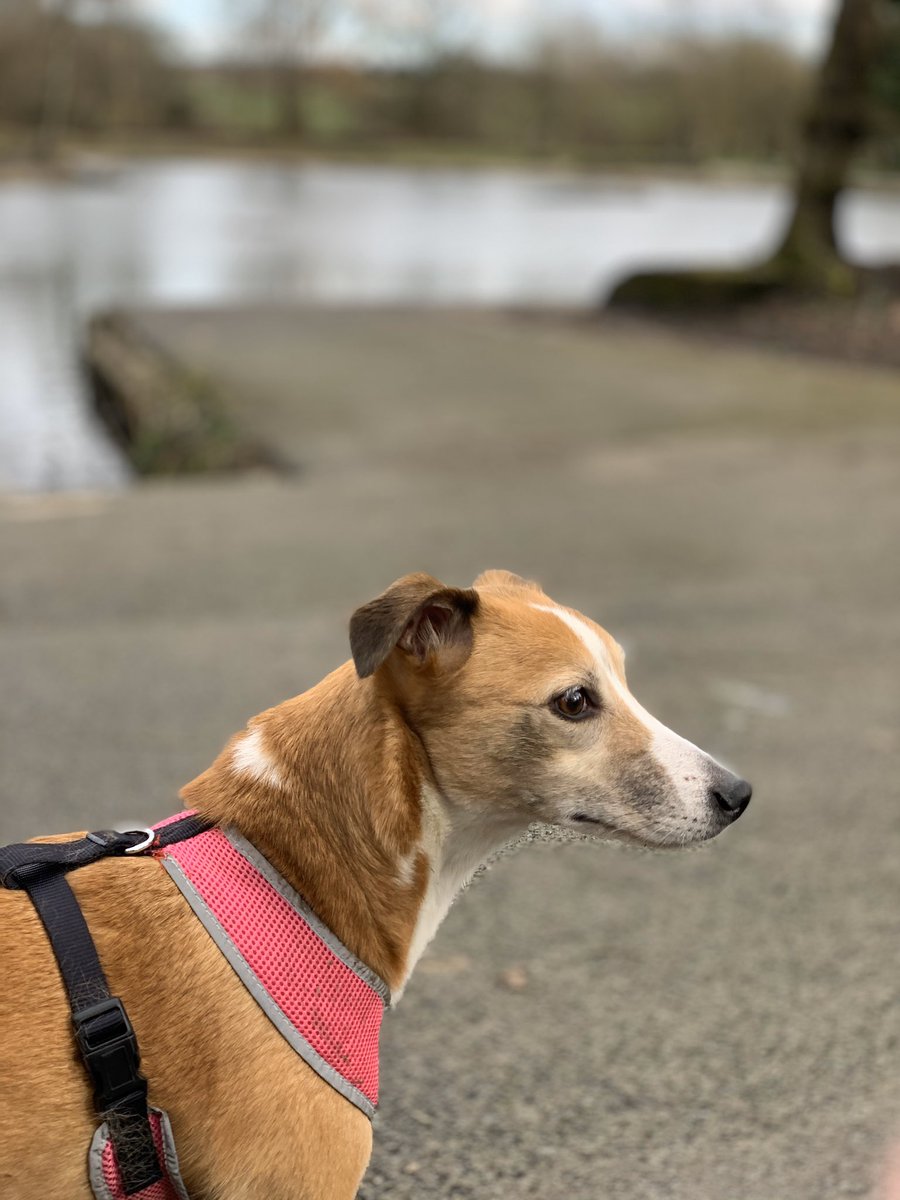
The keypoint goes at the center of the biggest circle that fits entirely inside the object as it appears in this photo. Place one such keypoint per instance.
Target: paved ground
(591, 1023)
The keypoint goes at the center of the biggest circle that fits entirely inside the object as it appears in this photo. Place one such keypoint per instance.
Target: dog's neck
(336, 790)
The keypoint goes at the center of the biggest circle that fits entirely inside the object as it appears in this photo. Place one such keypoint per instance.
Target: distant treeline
(735, 100)
(692, 101)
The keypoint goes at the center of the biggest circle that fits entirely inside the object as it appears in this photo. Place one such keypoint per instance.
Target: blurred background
(300, 295)
(236, 152)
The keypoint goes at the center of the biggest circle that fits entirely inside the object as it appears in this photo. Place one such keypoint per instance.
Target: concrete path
(590, 1023)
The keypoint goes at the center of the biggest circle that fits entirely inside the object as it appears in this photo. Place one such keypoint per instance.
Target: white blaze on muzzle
(686, 765)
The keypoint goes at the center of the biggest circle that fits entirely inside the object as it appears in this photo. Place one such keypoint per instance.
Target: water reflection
(206, 233)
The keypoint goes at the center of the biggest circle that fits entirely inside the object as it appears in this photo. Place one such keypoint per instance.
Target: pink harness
(326, 1004)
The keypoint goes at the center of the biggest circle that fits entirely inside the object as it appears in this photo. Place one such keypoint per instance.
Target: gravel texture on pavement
(591, 1022)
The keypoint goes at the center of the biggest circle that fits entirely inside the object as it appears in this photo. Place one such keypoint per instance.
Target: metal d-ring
(147, 841)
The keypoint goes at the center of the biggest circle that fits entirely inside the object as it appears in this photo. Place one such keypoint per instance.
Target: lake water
(184, 232)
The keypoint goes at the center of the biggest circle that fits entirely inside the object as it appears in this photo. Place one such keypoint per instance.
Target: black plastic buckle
(110, 1052)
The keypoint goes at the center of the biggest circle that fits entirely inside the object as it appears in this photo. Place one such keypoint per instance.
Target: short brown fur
(343, 807)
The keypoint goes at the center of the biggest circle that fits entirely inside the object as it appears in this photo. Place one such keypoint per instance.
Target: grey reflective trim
(170, 1159)
(95, 1163)
(170, 1154)
(248, 977)
(299, 905)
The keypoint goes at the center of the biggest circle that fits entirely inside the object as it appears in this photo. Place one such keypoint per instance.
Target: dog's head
(523, 708)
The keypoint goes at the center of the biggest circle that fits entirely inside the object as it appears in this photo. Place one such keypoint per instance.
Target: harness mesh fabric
(324, 1000)
(106, 1181)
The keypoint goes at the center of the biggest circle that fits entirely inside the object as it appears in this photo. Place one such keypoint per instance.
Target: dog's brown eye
(573, 703)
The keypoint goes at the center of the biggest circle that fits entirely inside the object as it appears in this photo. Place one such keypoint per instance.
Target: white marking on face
(250, 757)
(685, 764)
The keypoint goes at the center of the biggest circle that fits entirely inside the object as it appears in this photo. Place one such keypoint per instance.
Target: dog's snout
(732, 795)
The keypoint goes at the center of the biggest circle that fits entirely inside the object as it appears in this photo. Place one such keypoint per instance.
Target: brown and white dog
(465, 715)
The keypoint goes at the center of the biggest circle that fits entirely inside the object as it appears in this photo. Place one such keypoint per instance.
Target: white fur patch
(592, 643)
(685, 763)
(250, 757)
(406, 867)
(456, 843)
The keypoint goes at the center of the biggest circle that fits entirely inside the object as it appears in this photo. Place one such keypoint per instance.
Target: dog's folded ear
(417, 615)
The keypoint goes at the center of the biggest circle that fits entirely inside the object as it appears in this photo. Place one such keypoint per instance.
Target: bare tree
(283, 35)
(835, 128)
(58, 82)
(838, 122)
(418, 32)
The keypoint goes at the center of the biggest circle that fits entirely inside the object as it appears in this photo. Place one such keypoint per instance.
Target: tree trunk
(835, 128)
(287, 90)
(58, 83)
(808, 260)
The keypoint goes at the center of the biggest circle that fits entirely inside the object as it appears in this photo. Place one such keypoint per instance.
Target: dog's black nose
(732, 796)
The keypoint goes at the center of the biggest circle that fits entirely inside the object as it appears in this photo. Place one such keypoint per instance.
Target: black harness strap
(26, 860)
(103, 1031)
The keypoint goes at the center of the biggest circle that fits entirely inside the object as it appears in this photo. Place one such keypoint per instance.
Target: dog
(465, 715)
